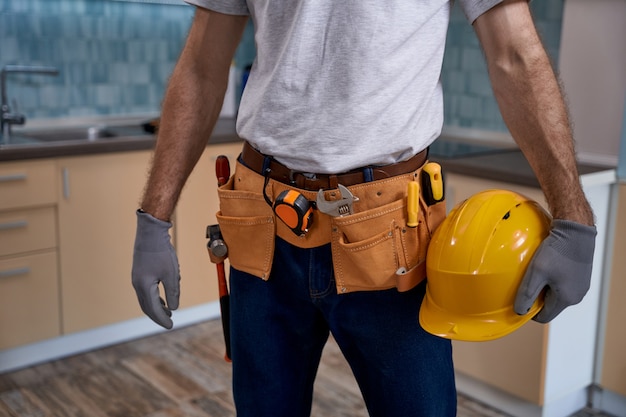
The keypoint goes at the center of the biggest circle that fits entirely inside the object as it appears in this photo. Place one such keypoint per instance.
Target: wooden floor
(180, 373)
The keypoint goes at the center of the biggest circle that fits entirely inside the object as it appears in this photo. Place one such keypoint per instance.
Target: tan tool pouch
(247, 225)
(372, 249)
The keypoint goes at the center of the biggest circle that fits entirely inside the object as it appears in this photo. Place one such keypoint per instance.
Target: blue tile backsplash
(468, 99)
(115, 58)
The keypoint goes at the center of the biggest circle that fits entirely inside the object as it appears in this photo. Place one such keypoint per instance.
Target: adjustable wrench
(336, 208)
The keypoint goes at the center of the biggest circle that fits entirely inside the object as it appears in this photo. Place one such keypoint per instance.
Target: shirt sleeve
(474, 8)
(234, 7)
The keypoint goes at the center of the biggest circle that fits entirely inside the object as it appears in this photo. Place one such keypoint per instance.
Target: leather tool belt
(372, 248)
(259, 163)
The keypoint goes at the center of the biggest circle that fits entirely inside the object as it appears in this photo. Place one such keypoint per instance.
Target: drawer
(29, 183)
(27, 230)
(29, 299)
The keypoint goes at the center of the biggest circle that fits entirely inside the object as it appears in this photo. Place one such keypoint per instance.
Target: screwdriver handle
(413, 204)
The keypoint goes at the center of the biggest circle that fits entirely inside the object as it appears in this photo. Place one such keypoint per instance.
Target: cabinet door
(97, 202)
(196, 209)
(461, 187)
(29, 299)
(27, 230)
(514, 363)
(27, 184)
(613, 376)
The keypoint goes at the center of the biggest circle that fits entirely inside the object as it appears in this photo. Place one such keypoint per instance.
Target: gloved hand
(154, 262)
(563, 264)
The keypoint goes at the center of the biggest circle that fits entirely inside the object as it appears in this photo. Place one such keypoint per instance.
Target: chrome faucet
(8, 118)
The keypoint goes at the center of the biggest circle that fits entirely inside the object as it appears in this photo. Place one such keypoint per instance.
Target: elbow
(517, 66)
(524, 59)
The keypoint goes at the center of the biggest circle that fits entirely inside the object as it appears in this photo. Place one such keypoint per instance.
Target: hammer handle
(222, 172)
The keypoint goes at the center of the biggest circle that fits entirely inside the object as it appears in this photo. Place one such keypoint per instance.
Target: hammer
(217, 253)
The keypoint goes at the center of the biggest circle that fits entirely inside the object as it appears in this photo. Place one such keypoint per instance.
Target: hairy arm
(532, 105)
(191, 106)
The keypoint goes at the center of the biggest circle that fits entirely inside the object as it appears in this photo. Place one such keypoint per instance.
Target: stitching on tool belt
(382, 238)
(233, 220)
(385, 181)
(239, 197)
(402, 235)
(346, 221)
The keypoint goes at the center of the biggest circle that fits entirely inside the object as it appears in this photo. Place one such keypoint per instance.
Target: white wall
(592, 65)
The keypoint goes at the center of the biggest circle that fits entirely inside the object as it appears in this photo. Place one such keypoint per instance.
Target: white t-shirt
(338, 85)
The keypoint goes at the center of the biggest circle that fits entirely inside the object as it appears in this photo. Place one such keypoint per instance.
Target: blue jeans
(279, 328)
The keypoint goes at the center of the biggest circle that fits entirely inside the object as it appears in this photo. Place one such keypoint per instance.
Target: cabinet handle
(13, 177)
(7, 273)
(18, 224)
(66, 183)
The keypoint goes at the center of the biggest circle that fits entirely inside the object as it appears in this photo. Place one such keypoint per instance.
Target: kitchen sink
(62, 135)
(73, 134)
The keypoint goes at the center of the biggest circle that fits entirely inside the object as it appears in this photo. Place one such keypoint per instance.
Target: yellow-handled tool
(432, 183)
(413, 203)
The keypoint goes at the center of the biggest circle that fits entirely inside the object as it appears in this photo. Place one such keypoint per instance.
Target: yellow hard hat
(475, 262)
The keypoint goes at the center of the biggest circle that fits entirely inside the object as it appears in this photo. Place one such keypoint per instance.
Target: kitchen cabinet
(513, 363)
(67, 227)
(613, 366)
(538, 370)
(29, 295)
(195, 210)
(97, 199)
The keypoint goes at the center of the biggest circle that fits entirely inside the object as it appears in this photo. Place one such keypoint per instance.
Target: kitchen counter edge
(508, 165)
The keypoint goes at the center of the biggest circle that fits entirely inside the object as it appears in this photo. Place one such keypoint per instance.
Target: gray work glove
(154, 262)
(562, 263)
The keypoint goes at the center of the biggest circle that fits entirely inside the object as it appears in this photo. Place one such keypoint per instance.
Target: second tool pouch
(374, 248)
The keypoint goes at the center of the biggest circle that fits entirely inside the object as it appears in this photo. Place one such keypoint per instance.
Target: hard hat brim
(472, 328)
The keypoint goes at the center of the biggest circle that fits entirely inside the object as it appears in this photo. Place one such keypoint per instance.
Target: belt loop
(267, 160)
(292, 177)
(368, 174)
(333, 182)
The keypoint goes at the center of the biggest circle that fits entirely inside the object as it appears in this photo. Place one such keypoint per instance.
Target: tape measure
(294, 210)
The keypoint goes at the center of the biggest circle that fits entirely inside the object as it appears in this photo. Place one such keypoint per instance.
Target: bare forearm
(533, 108)
(191, 107)
(187, 120)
